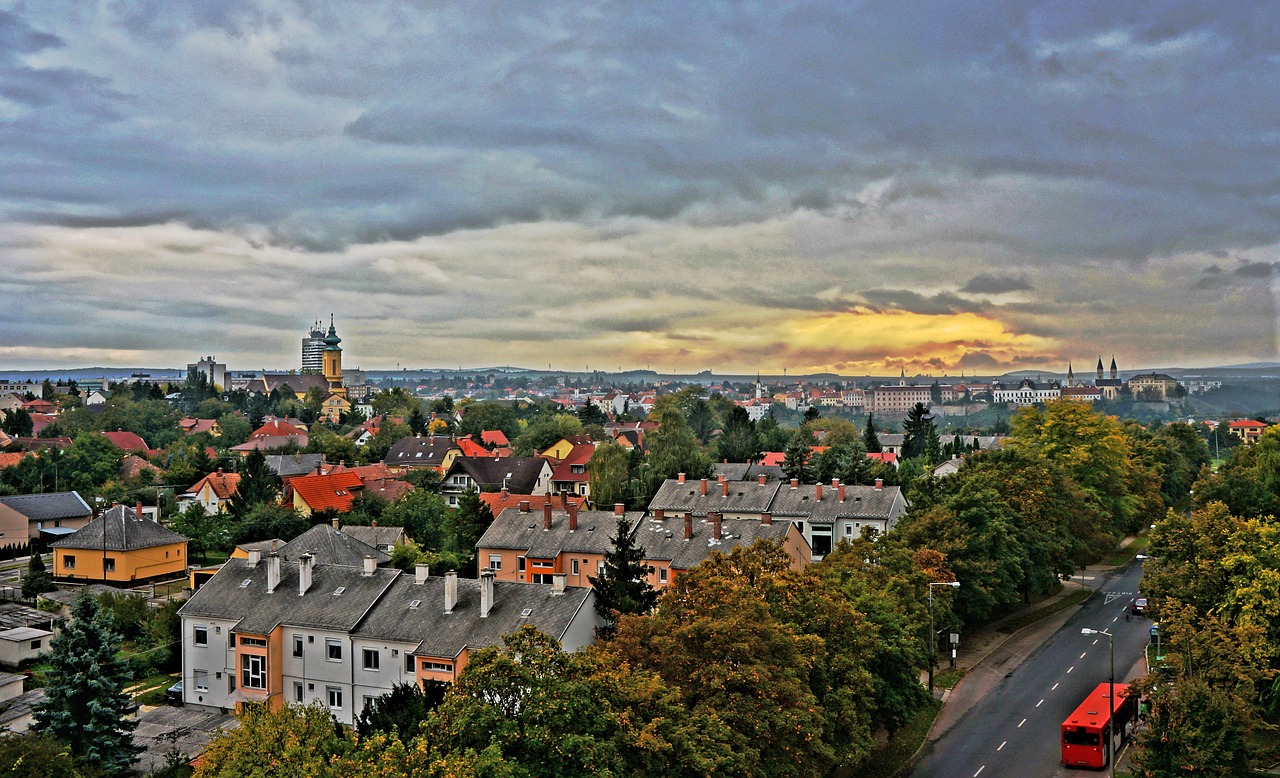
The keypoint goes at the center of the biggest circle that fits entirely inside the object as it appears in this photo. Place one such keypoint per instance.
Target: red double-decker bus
(1085, 732)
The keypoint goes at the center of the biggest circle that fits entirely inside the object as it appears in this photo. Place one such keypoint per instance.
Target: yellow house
(120, 547)
(334, 406)
(564, 447)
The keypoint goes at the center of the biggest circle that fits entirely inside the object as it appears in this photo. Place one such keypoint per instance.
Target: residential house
(45, 517)
(329, 545)
(190, 426)
(501, 500)
(494, 439)
(675, 545)
(570, 473)
(433, 451)
(214, 491)
(120, 547)
(563, 447)
(525, 546)
(1248, 430)
(746, 471)
(24, 633)
(897, 399)
(334, 406)
(97, 397)
(265, 631)
(827, 515)
(382, 538)
(17, 708)
(529, 475)
(1153, 386)
(129, 442)
(336, 492)
(298, 383)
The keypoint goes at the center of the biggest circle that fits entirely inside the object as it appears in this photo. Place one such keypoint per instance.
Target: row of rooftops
(791, 500)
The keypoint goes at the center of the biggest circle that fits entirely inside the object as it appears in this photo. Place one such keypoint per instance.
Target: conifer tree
(38, 580)
(623, 586)
(870, 440)
(257, 485)
(85, 702)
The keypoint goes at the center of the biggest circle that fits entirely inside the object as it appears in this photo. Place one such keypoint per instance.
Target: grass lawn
(948, 678)
(1124, 555)
(150, 690)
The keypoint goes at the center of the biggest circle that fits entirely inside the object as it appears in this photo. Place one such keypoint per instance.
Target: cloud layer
(848, 186)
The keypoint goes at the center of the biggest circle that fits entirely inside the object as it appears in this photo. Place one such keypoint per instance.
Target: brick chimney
(817, 492)
(724, 488)
(304, 573)
(337, 524)
(840, 489)
(688, 526)
(659, 514)
(486, 592)
(370, 564)
(680, 478)
(760, 479)
(420, 574)
(717, 524)
(704, 487)
(879, 484)
(572, 507)
(450, 590)
(546, 516)
(619, 509)
(795, 483)
(766, 518)
(273, 572)
(138, 509)
(524, 506)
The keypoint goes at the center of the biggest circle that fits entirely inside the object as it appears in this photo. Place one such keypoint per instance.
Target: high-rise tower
(313, 349)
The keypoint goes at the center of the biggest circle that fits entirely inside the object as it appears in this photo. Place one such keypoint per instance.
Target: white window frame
(254, 669)
(330, 647)
(333, 695)
(200, 635)
(368, 654)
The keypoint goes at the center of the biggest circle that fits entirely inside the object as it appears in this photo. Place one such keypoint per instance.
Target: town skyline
(850, 189)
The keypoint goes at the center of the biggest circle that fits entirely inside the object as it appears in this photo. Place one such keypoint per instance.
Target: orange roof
(275, 427)
(883, 456)
(500, 501)
(470, 448)
(9, 460)
(578, 456)
(375, 472)
(494, 438)
(773, 458)
(388, 489)
(223, 484)
(1249, 423)
(128, 441)
(323, 492)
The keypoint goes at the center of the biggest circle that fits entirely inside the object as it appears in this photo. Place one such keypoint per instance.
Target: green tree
(544, 432)
(811, 413)
(17, 423)
(796, 462)
(38, 580)
(916, 431)
(1193, 729)
(417, 421)
(738, 441)
(33, 755)
(425, 518)
(290, 741)
(483, 416)
(257, 486)
(85, 704)
(673, 447)
(401, 710)
(235, 429)
(623, 586)
(472, 518)
(267, 521)
(206, 532)
(609, 474)
(870, 440)
(773, 437)
(590, 413)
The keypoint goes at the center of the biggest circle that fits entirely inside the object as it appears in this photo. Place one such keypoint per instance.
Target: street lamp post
(1111, 697)
(933, 651)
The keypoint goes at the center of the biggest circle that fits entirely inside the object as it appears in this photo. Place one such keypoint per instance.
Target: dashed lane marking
(1001, 748)
(1020, 723)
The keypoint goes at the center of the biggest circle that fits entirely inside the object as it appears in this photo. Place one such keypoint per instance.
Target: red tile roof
(888, 457)
(773, 458)
(500, 501)
(494, 438)
(223, 484)
(9, 460)
(276, 427)
(578, 456)
(388, 489)
(130, 442)
(323, 492)
(1249, 424)
(470, 448)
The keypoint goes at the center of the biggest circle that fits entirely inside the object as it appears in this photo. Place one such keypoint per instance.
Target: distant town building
(313, 349)
(214, 371)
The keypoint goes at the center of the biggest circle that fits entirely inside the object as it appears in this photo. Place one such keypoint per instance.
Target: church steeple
(1071, 376)
(1099, 368)
(1113, 368)
(332, 361)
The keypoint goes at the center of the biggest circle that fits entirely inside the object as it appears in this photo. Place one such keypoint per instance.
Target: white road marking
(1095, 641)
(1020, 723)
(1082, 656)
(1038, 704)
(980, 769)
(1072, 667)
(1055, 686)
(1002, 745)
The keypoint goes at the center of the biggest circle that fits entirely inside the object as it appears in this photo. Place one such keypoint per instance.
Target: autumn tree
(401, 710)
(288, 741)
(609, 474)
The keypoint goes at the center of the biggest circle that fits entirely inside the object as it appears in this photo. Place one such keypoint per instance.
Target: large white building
(1027, 392)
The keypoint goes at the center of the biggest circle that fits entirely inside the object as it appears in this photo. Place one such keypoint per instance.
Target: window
(201, 680)
(371, 658)
(436, 667)
(253, 672)
(520, 562)
(542, 578)
(297, 645)
(335, 696)
(231, 682)
(260, 642)
(495, 561)
(367, 701)
(821, 540)
(35, 645)
(333, 650)
(231, 639)
(662, 575)
(408, 663)
(575, 567)
(69, 562)
(297, 692)
(109, 565)
(200, 635)
(848, 530)
(600, 569)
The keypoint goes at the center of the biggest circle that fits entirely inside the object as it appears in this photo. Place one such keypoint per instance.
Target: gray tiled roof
(518, 474)
(124, 532)
(515, 530)
(860, 502)
(374, 536)
(50, 505)
(330, 547)
(445, 635)
(664, 540)
(420, 452)
(286, 465)
(13, 614)
(747, 471)
(223, 596)
(743, 497)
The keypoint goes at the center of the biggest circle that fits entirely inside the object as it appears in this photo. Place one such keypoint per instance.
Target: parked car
(174, 693)
(1139, 607)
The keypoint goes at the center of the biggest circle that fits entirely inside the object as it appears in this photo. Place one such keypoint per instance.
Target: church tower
(1099, 368)
(1071, 377)
(1113, 367)
(333, 361)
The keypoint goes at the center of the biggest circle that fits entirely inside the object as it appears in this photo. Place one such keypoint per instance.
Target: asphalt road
(1013, 731)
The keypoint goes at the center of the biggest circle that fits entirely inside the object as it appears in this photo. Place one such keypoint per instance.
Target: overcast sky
(848, 186)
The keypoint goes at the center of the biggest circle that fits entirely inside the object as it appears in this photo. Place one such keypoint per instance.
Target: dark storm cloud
(988, 283)
(914, 302)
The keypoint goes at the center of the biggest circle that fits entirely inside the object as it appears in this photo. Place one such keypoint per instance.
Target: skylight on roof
(413, 604)
(245, 582)
(526, 613)
(339, 590)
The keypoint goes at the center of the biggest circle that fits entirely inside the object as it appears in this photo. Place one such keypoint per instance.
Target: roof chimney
(557, 584)
(255, 556)
(546, 515)
(688, 526)
(572, 507)
(304, 573)
(486, 592)
(818, 492)
(450, 590)
(680, 478)
(504, 492)
(840, 489)
(795, 483)
(524, 506)
(336, 523)
(273, 572)
(761, 479)
(619, 509)
(879, 484)
(370, 564)
(717, 524)
(659, 514)
(724, 488)
(704, 487)
(420, 574)
(138, 509)
(766, 518)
